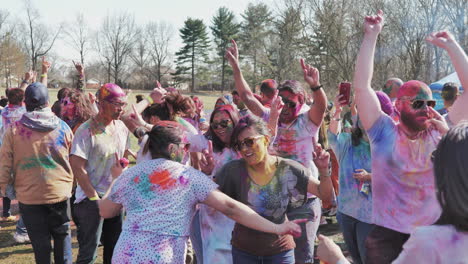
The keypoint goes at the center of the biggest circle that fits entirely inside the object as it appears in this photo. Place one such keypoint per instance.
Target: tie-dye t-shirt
(287, 189)
(10, 114)
(436, 244)
(403, 185)
(160, 197)
(350, 201)
(98, 146)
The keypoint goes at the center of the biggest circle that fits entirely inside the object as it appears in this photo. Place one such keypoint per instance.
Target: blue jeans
(311, 210)
(195, 237)
(20, 227)
(46, 221)
(90, 226)
(354, 233)
(242, 257)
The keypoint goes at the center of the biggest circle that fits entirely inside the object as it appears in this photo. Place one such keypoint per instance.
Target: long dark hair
(218, 144)
(249, 121)
(451, 177)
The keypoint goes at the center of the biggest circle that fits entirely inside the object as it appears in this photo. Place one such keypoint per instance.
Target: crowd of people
(248, 183)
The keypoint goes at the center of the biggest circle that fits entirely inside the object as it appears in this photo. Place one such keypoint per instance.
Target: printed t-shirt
(435, 244)
(160, 197)
(350, 201)
(287, 189)
(403, 185)
(98, 146)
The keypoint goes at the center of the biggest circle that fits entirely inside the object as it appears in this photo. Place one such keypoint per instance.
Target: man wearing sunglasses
(403, 190)
(92, 155)
(297, 131)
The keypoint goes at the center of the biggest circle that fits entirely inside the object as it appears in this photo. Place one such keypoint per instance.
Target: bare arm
(107, 208)
(45, 70)
(323, 188)
(366, 100)
(276, 106)
(245, 93)
(81, 83)
(244, 215)
(78, 167)
(445, 40)
(28, 77)
(312, 77)
(335, 122)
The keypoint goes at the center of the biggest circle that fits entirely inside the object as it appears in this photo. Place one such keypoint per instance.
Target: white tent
(453, 77)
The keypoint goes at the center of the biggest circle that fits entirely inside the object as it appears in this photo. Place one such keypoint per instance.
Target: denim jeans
(354, 233)
(383, 245)
(91, 228)
(6, 207)
(242, 257)
(20, 227)
(46, 221)
(312, 211)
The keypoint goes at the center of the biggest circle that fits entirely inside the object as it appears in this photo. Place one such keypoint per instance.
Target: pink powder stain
(183, 180)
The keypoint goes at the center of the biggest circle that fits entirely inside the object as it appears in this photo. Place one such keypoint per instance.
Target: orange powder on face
(163, 179)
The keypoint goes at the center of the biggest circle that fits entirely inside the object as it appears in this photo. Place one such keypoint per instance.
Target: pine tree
(195, 49)
(224, 29)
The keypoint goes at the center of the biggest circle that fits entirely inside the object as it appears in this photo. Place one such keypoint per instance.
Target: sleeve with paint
(81, 142)
(6, 161)
(121, 187)
(381, 130)
(200, 184)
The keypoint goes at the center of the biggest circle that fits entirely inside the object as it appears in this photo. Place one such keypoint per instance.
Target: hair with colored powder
(451, 177)
(249, 121)
(109, 91)
(450, 91)
(392, 86)
(268, 87)
(416, 89)
(15, 96)
(179, 104)
(83, 107)
(161, 135)
(218, 144)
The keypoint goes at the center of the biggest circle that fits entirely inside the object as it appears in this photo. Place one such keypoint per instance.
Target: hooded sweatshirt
(34, 156)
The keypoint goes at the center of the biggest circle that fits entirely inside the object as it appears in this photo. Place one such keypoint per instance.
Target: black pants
(383, 245)
(6, 207)
(46, 221)
(91, 228)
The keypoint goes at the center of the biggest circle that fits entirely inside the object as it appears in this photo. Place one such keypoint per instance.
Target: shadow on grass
(14, 251)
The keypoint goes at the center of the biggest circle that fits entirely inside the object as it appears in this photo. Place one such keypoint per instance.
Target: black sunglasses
(222, 124)
(289, 103)
(248, 142)
(418, 104)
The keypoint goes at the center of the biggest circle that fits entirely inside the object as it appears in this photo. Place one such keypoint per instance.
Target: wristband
(314, 89)
(149, 99)
(95, 198)
(44, 75)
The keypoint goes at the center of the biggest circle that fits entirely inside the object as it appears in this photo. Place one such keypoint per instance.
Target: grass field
(11, 253)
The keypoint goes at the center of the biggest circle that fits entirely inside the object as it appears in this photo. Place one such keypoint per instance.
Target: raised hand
(437, 121)
(232, 54)
(28, 76)
(374, 24)
(328, 251)
(79, 67)
(34, 76)
(321, 157)
(45, 65)
(311, 74)
(441, 39)
(117, 168)
(158, 94)
(207, 163)
(277, 104)
(339, 102)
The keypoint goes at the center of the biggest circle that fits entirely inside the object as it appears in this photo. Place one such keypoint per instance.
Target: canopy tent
(436, 88)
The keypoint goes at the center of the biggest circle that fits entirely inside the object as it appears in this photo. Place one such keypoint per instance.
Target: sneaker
(21, 238)
(10, 218)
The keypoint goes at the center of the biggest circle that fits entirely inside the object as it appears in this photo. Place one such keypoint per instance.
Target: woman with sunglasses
(160, 196)
(271, 186)
(212, 230)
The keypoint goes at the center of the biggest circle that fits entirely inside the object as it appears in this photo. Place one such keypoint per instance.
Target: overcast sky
(54, 12)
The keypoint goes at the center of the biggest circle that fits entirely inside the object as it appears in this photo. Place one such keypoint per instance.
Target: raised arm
(276, 106)
(323, 188)
(366, 100)
(245, 93)
(312, 78)
(45, 70)
(244, 215)
(335, 121)
(445, 40)
(28, 78)
(81, 83)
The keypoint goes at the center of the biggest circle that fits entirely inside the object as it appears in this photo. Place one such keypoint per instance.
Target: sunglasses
(117, 104)
(65, 101)
(418, 104)
(223, 124)
(247, 142)
(289, 103)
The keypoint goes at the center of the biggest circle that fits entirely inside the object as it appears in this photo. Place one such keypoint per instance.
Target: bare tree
(78, 36)
(117, 36)
(40, 40)
(159, 36)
